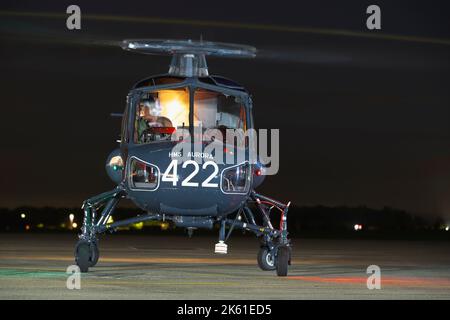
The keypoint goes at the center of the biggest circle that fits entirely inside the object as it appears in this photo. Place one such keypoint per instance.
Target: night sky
(364, 120)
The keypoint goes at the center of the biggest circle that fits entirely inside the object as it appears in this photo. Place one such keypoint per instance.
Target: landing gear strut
(275, 251)
(86, 249)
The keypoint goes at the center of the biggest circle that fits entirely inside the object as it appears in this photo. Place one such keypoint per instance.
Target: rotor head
(188, 55)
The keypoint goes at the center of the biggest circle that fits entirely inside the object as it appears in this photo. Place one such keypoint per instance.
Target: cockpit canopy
(170, 104)
(164, 79)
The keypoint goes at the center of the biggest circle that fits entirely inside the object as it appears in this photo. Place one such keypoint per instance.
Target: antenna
(188, 56)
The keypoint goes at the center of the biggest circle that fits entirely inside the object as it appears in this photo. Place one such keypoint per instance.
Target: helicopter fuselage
(188, 155)
(160, 179)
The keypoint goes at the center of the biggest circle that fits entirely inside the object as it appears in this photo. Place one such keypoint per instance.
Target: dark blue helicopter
(172, 160)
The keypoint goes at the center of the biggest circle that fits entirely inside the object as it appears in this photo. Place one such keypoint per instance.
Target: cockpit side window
(159, 114)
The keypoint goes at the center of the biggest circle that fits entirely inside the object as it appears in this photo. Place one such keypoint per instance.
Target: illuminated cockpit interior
(161, 113)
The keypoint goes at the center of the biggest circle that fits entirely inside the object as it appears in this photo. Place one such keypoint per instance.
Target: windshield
(215, 110)
(163, 112)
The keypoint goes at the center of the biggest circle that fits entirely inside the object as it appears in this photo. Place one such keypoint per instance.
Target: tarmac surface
(33, 266)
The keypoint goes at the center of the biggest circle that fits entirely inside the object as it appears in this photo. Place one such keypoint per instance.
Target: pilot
(149, 116)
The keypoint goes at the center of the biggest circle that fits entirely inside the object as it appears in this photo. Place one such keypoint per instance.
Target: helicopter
(164, 166)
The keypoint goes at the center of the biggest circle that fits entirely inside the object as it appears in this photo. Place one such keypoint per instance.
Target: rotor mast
(189, 65)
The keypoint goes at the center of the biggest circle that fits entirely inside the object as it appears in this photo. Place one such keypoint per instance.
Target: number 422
(170, 175)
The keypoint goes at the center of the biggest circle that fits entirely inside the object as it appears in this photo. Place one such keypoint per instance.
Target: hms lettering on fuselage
(191, 154)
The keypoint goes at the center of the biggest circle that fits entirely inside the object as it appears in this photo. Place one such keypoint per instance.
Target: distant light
(71, 217)
(138, 225)
(27, 227)
(23, 215)
(40, 226)
(164, 225)
(447, 228)
(357, 227)
(74, 225)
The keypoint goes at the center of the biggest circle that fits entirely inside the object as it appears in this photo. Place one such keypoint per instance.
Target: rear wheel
(282, 261)
(266, 260)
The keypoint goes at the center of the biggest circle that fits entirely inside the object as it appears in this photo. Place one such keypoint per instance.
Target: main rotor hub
(189, 56)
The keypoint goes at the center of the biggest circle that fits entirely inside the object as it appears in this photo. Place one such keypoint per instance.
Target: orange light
(175, 106)
(27, 227)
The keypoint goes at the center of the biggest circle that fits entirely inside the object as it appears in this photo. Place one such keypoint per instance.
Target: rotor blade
(235, 25)
(353, 52)
(170, 46)
(362, 56)
(303, 56)
(27, 32)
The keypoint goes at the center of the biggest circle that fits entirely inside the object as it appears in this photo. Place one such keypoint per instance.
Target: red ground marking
(392, 281)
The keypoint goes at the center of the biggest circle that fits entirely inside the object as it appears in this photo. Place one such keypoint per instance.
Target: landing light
(23, 215)
(447, 228)
(116, 163)
(74, 225)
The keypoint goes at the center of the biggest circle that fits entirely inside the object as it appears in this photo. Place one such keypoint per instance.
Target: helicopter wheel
(95, 254)
(266, 260)
(282, 261)
(86, 255)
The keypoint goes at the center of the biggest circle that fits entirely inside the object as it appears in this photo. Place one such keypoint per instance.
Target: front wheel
(95, 254)
(266, 260)
(86, 255)
(282, 261)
